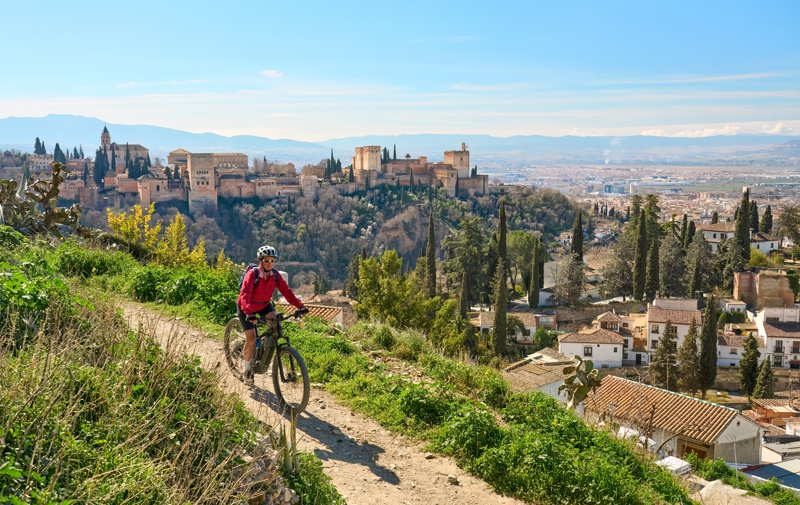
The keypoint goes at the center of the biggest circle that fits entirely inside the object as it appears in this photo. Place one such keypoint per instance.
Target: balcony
(779, 349)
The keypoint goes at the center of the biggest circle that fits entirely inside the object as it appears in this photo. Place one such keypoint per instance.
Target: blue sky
(319, 70)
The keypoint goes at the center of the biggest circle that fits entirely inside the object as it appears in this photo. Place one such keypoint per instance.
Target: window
(587, 351)
(715, 235)
(624, 325)
(654, 344)
(733, 350)
(615, 349)
(654, 328)
(624, 355)
(773, 319)
(625, 344)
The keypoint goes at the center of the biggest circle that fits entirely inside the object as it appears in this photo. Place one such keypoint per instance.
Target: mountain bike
(289, 373)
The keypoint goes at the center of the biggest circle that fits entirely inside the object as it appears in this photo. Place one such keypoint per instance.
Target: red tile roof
(659, 315)
(609, 317)
(722, 226)
(526, 376)
(782, 330)
(674, 413)
(594, 336)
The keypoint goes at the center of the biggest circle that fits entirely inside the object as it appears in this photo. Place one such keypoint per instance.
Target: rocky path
(368, 464)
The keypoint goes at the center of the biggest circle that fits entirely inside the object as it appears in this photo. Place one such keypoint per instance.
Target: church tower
(105, 139)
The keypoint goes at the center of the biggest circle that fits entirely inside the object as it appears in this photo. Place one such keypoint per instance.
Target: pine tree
(748, 366)
(765, 383)
(533, 288)
(708, 349)
(652, 279)
(577, 237)
(640, 259)
(684, 228)
(742, 231)
(500, 326)
(690, 232)
(671, 268)
(37, 146)
(430, 257)
(664, 368)
(765, 226)
(715, 217)
(753, 215)
(689, 362)
(463, 300)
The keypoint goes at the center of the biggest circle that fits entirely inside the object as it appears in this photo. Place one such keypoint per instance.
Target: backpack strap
(257, 273)
(276, 274)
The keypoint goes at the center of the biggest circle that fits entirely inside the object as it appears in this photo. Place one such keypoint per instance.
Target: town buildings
(603, 347)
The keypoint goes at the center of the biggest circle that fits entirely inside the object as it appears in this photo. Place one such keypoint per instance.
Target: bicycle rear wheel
(234, 345)
(292, 387)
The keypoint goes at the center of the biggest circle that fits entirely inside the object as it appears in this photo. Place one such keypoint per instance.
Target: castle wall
(760, 290)
(367, 158)
(458, 160)
(202, 187)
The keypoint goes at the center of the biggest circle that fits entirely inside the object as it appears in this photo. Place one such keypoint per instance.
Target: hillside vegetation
(91, 412)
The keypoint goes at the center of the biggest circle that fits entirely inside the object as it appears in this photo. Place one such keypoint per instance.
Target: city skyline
(322, 72)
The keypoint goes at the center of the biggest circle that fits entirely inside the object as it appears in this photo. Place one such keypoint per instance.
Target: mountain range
(70, 130)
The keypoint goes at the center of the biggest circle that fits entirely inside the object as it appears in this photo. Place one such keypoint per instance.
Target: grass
(91, 412)
(523, 445)
(769, 490)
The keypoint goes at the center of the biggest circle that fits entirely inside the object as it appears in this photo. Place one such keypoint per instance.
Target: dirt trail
(368, 464)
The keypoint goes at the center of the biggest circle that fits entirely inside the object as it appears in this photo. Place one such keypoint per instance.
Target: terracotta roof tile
(674, 413)
(722, 226)
(594, 336)
(782, 330)
(526, 376)
(608, 317)
(659, 315)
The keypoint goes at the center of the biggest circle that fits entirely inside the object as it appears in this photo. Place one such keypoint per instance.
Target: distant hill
(68, 130)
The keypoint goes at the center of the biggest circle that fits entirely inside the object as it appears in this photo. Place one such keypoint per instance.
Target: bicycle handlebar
(280, 317)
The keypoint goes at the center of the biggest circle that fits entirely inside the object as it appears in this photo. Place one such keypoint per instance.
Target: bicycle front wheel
(290, 379)
(234, 345)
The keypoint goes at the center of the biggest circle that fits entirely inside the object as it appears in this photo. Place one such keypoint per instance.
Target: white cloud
(272, 74)
(655, 132)
(728, 129)
(780, 128)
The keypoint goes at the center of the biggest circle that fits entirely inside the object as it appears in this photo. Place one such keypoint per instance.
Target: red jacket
(254, 299)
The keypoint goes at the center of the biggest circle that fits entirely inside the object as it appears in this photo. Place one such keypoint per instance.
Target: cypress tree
(430, 257)
(640, 259)
(753, 215)
(542, 259)
(351, 178)
(684, 227)
(628, 214)
(690, 232)
(114, 159)
(80, 151)
(85, 173)
(748, 366)
(502, 230)
(653, 279)
(363, 252)
(664, 368)
(394, 153)
(500, 326)
(127, 153)
(765, 226)
(695, 285)
(411, 179)
(708, 349)
(463, 300)
(37, 146)
(533, 288)
(44, 149)
(742, 231)
(74, 152)
(765, 383)
(689, 362)
(577, 237)
(715, 217)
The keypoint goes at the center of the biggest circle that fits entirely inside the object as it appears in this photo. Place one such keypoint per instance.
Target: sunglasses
(268, 261)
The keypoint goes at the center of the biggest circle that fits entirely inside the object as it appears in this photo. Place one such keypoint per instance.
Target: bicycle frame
(276, 341)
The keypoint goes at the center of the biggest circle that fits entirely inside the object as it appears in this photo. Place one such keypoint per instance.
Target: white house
(730, 348)
(631, 328)
(715, 233)
(484, 322)
(732, 305)
(603, 347)
(780, 328)
(526, 375)
(682, 423)
(679, 312)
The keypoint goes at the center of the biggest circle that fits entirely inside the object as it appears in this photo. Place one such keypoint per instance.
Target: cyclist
(254, 300)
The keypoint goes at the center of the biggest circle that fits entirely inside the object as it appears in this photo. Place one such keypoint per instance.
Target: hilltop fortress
(201, 178)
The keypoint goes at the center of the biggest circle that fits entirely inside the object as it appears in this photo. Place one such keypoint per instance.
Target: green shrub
(180, 289)
(385, 339)
(10, 237)
(147, 282)
(467, 433)
(311, 483)
(75, 260)
(409, 345)
(493, 390)
(424, 405)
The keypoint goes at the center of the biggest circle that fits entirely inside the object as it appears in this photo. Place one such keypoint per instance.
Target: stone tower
(105, 139)
(459, 160)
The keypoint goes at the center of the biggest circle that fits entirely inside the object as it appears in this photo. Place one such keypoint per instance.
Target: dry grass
(93, 412)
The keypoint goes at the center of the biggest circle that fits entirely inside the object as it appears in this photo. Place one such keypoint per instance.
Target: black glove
(252, 317)
(303, 310)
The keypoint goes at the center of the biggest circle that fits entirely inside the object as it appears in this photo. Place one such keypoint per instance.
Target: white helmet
(267, 250)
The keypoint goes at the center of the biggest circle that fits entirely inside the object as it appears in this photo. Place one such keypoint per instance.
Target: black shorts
(247, 325)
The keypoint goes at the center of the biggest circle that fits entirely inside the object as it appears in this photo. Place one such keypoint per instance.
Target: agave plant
(582, 378)
(287, 447)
